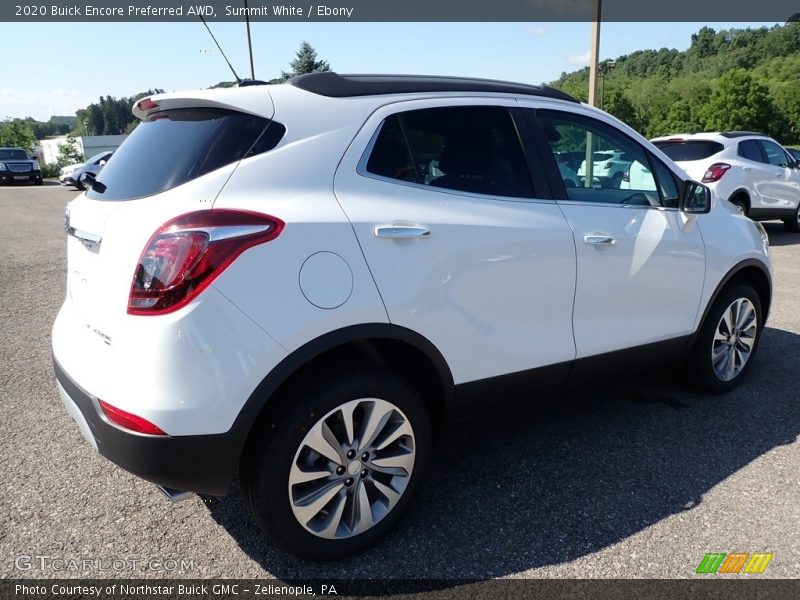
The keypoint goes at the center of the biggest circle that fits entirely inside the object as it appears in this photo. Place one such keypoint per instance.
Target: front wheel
(338, 471)
(793, 223)
(728, 339)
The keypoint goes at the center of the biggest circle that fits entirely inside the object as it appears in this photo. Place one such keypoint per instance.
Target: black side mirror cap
(696, 198)
(89, 181)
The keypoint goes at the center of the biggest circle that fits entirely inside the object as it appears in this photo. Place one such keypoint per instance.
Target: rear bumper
(204, 464)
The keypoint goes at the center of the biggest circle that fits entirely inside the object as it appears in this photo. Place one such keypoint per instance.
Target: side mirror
(696, 198)
(89, 181)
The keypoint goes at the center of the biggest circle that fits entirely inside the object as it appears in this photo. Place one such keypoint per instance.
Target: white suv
(750, 170)
(303, 282)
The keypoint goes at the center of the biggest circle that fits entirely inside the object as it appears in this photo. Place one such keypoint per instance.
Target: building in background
(89, 145)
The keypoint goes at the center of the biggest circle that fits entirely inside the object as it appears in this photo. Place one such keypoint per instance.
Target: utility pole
(594, 52)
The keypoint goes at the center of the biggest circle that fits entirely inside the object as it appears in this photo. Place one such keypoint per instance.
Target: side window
(390, 156)
(611, 167)
(775, 154)
(749, 149)
(667, 184)
(469, 149)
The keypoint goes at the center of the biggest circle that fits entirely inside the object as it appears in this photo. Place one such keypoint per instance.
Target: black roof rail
(334, 85)
(249, 82)
(738, 134)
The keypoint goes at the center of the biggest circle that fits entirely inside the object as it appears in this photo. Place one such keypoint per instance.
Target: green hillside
(745, 79)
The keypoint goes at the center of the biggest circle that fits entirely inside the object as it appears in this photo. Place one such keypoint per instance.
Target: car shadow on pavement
(530, 486)
(779, 236)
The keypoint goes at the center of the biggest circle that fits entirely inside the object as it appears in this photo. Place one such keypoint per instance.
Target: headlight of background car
(36, 167)
(2, 166)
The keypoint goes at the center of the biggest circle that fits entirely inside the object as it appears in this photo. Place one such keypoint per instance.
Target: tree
(68, 152)
(17, 133)
(738, 102)
(305, 62)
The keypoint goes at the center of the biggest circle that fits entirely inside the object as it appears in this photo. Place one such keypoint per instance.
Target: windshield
(689, 150)
(13, 154)
(176, 146)
(96, 157)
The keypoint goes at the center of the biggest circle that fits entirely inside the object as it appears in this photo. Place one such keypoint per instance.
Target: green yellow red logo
(734, 562)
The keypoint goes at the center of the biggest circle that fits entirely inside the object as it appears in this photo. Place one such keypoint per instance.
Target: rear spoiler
(255, 100)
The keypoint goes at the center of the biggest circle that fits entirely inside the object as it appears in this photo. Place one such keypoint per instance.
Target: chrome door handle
(599, 240)
(401, 231)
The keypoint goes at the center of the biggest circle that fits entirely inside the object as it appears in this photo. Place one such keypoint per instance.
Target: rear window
(176, 146)
(689, 150)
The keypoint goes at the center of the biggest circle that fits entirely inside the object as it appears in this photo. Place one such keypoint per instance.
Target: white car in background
(71, 174)
(750, 170)
(609, 166)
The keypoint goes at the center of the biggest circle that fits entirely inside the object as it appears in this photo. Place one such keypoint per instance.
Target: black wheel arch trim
(298, 358)
(733, 272)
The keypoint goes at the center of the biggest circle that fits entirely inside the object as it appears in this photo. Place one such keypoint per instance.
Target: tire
(331, 530)
(793, 225)
(717, 344)
(38, 182)
(616, 181)
(739, 203)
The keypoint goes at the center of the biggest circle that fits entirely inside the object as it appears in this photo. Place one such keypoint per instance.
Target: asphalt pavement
(637, 480)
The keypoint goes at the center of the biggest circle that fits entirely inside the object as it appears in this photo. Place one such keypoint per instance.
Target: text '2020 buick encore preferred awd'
(302, 282)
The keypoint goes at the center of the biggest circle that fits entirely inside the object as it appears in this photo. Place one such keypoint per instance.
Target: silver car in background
(71, 174)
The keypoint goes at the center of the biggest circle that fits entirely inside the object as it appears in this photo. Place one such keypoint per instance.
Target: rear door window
(686, 150)
(750, 150)
(176, 146)
(471, 149)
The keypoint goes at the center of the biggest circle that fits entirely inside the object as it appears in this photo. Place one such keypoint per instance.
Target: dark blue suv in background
(17, 166)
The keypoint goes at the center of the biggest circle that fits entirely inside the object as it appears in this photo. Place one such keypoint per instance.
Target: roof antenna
(249, 43)
(238, 81)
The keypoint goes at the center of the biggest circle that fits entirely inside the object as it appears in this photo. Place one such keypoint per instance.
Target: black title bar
(405, 11)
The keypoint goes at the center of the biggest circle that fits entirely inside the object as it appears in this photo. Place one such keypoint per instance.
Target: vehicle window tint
(749, 149)
(613, 169)
(390, 156)
(667, 184)
(774, 153)
(176, 146)
(469, 149)
(690, 149)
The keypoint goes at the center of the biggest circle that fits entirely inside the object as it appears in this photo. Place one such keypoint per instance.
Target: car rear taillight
(187, 253)
(715, 172)
(129, 421)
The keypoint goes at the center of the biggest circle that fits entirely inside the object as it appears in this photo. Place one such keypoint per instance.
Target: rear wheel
(344, 466)
(739, 202)
(728, 339)
(793, 223)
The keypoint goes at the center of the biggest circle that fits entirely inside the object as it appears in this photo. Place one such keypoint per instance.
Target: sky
(61, 67)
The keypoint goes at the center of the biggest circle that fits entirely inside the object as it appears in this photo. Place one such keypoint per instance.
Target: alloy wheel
(351, 468)
(734, 339)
